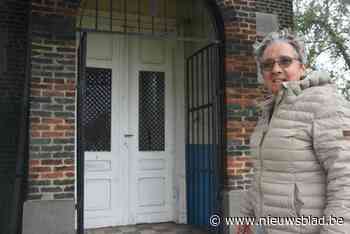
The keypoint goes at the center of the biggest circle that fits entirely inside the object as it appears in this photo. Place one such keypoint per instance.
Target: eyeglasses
(283, 62)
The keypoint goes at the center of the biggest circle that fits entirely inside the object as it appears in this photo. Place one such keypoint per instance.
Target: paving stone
(149, 232)
(157, 228)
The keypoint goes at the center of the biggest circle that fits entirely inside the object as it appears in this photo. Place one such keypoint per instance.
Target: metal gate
(80, 132)
(204, 138)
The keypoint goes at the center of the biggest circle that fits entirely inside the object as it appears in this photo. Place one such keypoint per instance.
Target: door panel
(151, 174)
(100, 47)
(101, 157)
(152, 52)
(101, 200)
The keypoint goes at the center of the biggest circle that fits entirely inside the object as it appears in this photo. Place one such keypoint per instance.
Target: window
(151, 111)
(97, 109)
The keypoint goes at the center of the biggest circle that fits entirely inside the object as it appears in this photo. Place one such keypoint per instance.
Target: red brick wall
(52, 110)
(242, 88)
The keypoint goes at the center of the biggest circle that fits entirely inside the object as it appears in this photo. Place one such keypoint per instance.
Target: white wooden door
(106, 171)
(151, 167)
(126, 185)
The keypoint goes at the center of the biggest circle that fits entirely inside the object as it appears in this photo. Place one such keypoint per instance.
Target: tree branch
(335, 39)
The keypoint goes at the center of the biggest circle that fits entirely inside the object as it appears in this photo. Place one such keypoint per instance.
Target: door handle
(128, 135)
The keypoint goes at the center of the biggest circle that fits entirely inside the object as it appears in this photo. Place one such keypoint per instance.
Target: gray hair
(284, 35)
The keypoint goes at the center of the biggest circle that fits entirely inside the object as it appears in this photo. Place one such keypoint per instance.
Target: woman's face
(280, 62)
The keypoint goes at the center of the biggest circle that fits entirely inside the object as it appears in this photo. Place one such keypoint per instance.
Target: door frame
(218, 23)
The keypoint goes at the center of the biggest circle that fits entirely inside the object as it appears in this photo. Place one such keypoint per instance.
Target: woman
(300, 146)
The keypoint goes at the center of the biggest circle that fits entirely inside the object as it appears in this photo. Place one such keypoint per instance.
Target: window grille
(97, 113)
(186, 20)
(151, 111)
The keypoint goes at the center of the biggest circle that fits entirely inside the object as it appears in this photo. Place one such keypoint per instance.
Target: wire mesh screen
(151, 111)
(97, 109)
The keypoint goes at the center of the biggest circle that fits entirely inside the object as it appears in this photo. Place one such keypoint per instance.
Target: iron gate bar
(214, 114)
(205, 106)
(111, 15)
(192, 133)
(212, 127)
(165, 17)
(214, 119)
(209, 127)
(96, 14)
(192, 125)
(200, 132)
(197, 124)
(153, 12)
(125, 17)
(80, 133)
(202, 140)
(192, 122)
(187, 113)
(203, 133)
(198, 71)
(139, 15)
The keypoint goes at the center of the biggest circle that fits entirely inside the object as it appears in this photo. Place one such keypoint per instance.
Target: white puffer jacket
(301, 155)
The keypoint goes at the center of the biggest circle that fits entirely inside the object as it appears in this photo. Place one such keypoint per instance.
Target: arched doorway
(150, 112)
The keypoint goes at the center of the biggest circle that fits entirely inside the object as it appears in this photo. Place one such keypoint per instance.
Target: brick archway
(53, 81)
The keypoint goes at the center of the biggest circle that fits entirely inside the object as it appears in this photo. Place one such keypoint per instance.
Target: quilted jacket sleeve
(331, 139)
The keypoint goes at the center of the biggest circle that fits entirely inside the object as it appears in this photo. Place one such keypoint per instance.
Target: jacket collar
(291, 89)
(314, 78)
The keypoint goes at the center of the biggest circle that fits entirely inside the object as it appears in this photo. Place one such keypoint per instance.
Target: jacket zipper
(274, 110)
(261, 170)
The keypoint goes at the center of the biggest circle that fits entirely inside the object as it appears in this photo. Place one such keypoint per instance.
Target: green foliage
(325, 26)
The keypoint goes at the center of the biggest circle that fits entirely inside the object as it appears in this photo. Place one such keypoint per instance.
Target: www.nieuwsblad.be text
(216, 220)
